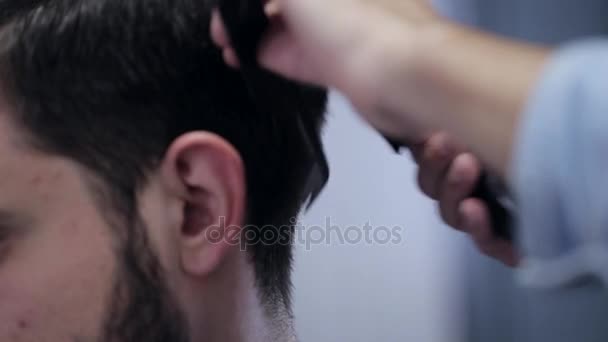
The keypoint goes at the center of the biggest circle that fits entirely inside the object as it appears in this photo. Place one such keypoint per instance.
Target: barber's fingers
(475, 220)
(218, 32)
(458, 184)
(278, 49)
(221, 39)
(434, 157)
(471, 215)
(449, 176)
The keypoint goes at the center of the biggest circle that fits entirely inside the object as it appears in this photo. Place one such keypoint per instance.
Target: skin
(31, 270)
(448, 173)
(68, 272)
(421, 92)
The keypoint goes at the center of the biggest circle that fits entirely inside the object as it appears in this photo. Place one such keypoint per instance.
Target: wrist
(404, 97)
(474, 86)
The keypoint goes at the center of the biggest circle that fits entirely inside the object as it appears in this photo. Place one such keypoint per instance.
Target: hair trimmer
(501, 217)
(246, 23)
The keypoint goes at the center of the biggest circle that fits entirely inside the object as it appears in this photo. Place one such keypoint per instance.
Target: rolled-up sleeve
(560, 170)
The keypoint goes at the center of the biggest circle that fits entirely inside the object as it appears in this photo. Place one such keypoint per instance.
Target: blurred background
(427, 284)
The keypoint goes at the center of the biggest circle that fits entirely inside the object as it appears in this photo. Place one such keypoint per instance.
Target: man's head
(128, 155)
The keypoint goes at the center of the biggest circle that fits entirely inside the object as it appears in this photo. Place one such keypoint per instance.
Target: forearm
(472, 85)
(548, 116)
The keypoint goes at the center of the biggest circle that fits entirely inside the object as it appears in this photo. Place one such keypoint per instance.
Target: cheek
(15, 314)
(56, 284)
(21, 316)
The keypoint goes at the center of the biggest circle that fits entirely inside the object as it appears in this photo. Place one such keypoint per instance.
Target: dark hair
(111, 83)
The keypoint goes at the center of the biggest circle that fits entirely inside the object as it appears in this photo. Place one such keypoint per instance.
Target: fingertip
(438, 149)
(474, 218)
(218, 33)
(272, 8)
(463, 173)
(471, 163)
(231, 59)
(477, 224)
(434, 158)
(455, 185)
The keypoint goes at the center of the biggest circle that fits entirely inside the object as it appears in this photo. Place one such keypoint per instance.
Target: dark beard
(141, 308)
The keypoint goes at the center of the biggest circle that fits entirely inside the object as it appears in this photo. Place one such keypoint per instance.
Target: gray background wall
(410, 291)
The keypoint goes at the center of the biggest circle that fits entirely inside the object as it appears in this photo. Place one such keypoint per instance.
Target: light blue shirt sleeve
(560, 170)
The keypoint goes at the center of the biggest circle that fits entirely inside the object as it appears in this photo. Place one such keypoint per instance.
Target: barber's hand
(313, 40)
(407, 70)
(448, 174)
(351, 45)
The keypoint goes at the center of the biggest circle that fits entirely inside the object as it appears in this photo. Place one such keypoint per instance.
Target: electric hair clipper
(246, 23)
(486, 191)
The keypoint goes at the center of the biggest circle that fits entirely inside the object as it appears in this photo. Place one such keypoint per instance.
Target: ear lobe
(208, 173)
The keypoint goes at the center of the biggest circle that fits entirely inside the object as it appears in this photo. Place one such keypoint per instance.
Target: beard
(141, 308)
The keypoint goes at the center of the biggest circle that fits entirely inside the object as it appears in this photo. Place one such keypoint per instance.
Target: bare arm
(467, 83)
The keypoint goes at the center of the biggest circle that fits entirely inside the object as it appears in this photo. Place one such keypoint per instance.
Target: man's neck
(239, 315)
(267, 323)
